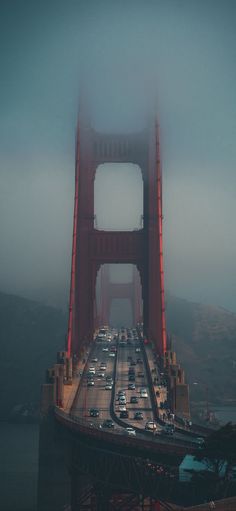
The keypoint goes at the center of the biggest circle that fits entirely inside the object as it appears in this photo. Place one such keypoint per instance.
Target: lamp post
(207, 397)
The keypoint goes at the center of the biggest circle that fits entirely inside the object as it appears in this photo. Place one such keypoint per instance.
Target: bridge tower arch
(92, 248)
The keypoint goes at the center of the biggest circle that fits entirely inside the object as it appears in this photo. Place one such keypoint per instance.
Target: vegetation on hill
(30, 336)
(204, 338)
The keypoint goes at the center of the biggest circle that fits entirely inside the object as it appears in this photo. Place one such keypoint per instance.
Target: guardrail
(151, 443)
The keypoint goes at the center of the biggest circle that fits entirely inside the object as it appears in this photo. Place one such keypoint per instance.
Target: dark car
(141, 375)
(139, 361)
(133, 363)
(124, 415)
(94, 412)
(134, 399)
(131, 386)
(138, 416)
(131, 377)
(108, 423)
(131, 370)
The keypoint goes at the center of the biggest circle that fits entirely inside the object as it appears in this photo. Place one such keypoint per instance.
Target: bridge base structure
(78, 472)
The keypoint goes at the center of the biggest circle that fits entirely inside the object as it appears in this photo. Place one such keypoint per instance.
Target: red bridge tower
(93, 247)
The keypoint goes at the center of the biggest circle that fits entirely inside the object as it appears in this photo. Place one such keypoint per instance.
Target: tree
(220, 449)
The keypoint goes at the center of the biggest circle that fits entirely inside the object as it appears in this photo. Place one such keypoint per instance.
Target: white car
(151, 426)
(137, 350)
(122, 400)
(100, 374)
(130, 431)
(104, 349)
(112, 354)
(91, 370)
(108, 386)
(121, 393)
(143, 393)
(122, 408)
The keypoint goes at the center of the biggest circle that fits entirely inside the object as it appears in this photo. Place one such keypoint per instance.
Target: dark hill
(204, 338)
(31, 334)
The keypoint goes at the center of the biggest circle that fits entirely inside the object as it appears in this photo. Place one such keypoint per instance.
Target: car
(92, 370)
(113, 349)
(108, 386)
(137, 350)
(133, 399)
(131, 386)
(139, 361)
(94, 360)
(133, 363)
(112, 354)
(99, 338)
(138, 416)
(130, 431)
(100, 374)
(141, 375)
(108, 423)
(94, 412)
(124, 414)
(143, 393)
(122, 400)
(109, 379)
(122, 408)
(103, 367)
(121, 393)
(132, 377)
(90, 383)
(105, 349)
(150, 426)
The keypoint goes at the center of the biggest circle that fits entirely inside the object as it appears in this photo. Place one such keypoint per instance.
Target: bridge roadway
(105, 400)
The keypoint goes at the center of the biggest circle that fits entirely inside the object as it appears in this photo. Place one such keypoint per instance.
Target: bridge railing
(87, 425)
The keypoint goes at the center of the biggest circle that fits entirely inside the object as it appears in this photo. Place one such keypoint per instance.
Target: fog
(122, 58)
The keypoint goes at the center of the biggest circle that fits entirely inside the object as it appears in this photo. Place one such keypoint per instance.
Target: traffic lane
(122, 381)
(95, 396)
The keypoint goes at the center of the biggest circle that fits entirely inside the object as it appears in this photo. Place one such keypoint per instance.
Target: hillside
(30, 336)
(204, 338)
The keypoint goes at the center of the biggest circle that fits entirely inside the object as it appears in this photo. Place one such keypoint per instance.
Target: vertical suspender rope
(160, 216)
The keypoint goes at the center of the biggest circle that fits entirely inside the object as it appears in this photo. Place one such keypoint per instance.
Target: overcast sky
(124, 52)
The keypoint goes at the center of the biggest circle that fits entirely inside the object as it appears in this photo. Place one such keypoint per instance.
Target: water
(18, 466)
